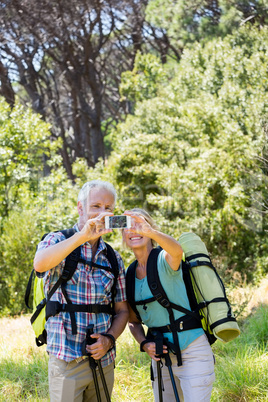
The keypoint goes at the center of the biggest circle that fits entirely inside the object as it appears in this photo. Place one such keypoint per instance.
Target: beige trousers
(73, 382)
(194, 379)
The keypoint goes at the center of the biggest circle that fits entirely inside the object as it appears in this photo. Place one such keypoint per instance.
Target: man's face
(100, 200)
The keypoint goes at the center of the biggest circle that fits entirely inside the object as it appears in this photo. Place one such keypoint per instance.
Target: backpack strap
(69, 268)
(191, 317)
(130, 287)
(157, 288)
(68, 271)
(55, 307)
(161, 296)
(28, 289)
(198, 263)
(115, 269)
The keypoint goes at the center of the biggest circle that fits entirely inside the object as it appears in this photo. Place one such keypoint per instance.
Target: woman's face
(138, 236)
(135, 240)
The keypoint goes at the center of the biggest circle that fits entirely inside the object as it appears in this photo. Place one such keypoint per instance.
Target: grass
(23, 366)
(241, 365)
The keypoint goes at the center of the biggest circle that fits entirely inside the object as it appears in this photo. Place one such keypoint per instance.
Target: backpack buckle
(53, 308)
(165, 303)
(41, 304)
(65, 274)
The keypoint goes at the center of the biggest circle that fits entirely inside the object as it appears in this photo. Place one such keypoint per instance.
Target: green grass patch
(241, 365)
(23, 366)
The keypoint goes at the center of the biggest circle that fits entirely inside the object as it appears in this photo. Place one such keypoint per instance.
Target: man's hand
(100, 347)
(95, 227)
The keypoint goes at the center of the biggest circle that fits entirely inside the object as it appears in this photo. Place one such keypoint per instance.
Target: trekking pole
(93, 363)
(158, 339)
(103, 381)
(159, 382)
(169, 366)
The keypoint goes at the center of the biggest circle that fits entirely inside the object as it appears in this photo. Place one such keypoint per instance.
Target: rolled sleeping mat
(208, 286)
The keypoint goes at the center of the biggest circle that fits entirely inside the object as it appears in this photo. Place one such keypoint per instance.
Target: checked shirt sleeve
(50, 240)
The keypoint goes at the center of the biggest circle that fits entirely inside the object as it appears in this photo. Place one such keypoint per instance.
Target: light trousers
(194, 379)
(73, 382)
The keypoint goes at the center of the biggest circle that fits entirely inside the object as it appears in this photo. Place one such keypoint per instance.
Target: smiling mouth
(136, 238)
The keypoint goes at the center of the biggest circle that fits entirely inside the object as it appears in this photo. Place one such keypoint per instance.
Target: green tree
(189, 155)
(142, 82)
(30, 203)
(24, 140)
(187, 21)
(66, 58)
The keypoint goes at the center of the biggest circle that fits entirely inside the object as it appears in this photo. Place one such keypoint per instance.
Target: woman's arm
(137, 331)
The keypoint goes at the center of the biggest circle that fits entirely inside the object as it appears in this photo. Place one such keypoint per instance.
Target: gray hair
(97, 184)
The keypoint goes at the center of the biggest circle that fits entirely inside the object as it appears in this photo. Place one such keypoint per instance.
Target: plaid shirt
(87, 286)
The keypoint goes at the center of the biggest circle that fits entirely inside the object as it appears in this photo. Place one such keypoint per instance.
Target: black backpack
(41, 315)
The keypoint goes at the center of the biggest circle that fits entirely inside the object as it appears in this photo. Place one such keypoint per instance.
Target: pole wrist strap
(112, 338)
(143, 343)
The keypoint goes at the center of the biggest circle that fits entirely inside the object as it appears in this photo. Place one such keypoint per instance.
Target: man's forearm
(104, 343)
(120, 321)
(50, 257)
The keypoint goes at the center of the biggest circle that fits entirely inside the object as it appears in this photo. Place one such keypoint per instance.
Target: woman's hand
(138, 224)
(150, 349)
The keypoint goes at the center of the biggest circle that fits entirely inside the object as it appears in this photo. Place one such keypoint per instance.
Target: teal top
(153, 314)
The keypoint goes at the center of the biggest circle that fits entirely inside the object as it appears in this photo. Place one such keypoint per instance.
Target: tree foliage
(190, 154)
(187, 21)
(24, 140)
(193, 152)
(142, 82)
(30, 202)
(67, 60)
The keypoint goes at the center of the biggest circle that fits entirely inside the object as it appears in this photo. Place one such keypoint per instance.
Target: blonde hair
(148, 218)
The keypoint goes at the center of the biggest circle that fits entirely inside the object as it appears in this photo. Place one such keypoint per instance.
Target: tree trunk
(97, 143)
(6, 89)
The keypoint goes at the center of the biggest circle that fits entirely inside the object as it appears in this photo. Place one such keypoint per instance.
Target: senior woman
(193, 373)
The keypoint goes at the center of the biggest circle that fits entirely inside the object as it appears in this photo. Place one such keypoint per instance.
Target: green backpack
(44, 308)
